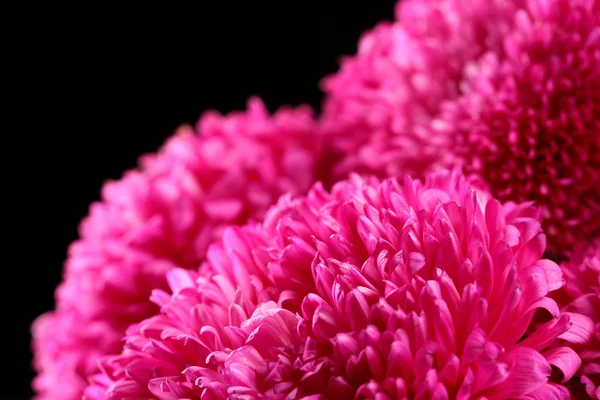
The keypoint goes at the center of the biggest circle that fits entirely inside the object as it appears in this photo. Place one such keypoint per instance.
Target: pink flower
(379, 105)
(378, 290)
(529, 119)
(508, 89)
(581, 294)
(162, 216)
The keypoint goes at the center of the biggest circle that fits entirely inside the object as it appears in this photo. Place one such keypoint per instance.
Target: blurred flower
(377, 290)
(508, 89)
(379, 105)
(162, 216)
(529, 119)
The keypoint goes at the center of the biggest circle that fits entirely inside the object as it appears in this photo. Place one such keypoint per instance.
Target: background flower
(528, 121)
(163, 216)
(380, 103)
(508, 89)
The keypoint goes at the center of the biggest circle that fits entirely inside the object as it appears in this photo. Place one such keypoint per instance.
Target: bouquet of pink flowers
(433, 234)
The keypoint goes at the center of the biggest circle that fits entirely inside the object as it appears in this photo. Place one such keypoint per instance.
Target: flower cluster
(434, 234)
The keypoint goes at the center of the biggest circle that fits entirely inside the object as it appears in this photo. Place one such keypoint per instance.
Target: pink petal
(528, 371)
(495, 219)
(531, 252)
(473, 346)
(511, 235)
(588, 305)
(565, 359)
(223, 209)
(549, 391)
(416, 262)
(581, 331)
(179, 279)
(554, 274)
(547, 333)
(357, 306)
(400, 361)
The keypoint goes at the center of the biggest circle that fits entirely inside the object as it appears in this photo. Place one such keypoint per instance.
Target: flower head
(162, 216)
(529, 119)
(379, 104)
(508, 89)
(375, 290)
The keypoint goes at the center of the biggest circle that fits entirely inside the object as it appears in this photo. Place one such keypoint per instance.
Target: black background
(94, 89)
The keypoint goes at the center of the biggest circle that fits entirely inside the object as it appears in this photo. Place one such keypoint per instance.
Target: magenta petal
(554, 275)
(167, 388)
(532, 251)
(547, 333)
(512, 235)
(474, 346)
(549, 391)
(528, 371)
(581, 331)
(179, 279)
(565, 359)
(588, 305)
(495, 219)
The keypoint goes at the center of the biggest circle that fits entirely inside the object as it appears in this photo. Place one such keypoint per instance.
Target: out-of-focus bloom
(509, 89)
(378, 290)
(529, 119)
(380, 104)
(581, 294)
(162, 216)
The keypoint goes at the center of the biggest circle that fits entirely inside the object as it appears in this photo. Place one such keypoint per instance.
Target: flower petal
(528, 371)
(581, 331)
(549, 391)
(565, 359)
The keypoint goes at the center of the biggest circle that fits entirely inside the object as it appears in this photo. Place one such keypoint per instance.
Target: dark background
(97, 88)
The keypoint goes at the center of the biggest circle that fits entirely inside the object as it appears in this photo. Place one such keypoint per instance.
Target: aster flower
(508, 89)
(529, 119)
(162, 216)
(379, 104)
(581, 294)
(376, 290)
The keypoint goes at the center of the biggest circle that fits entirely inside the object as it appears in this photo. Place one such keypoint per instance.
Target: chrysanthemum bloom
(379, 104)
(380, 291)
(529, 119)
(581, 294)
(510, 89)
(163, 216)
